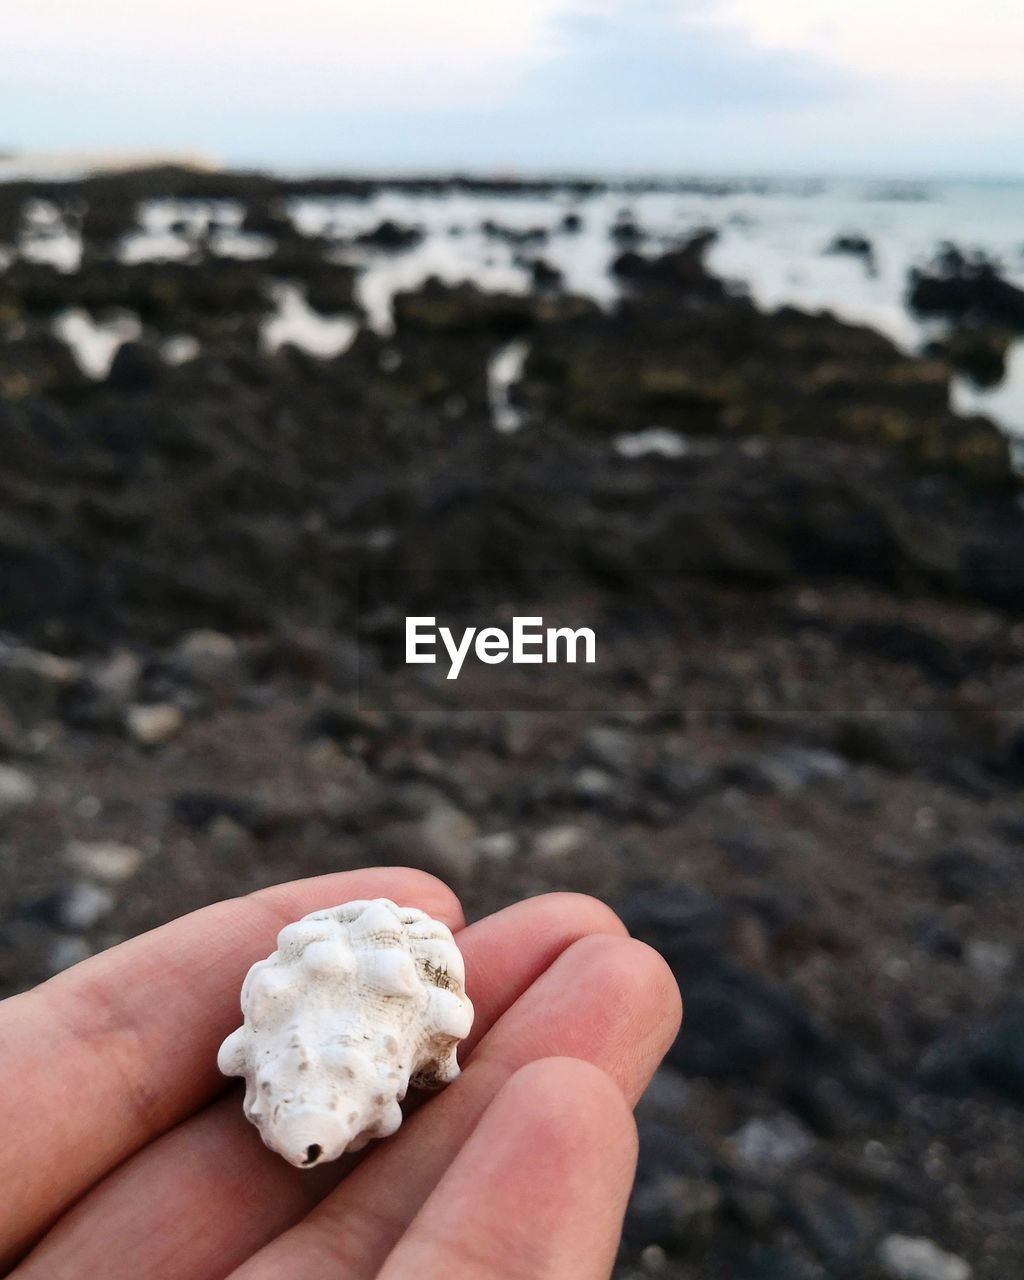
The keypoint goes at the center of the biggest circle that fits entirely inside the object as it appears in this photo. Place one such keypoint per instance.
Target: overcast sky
(864, 86)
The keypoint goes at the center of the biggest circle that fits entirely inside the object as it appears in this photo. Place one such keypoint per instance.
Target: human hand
(121, 1158)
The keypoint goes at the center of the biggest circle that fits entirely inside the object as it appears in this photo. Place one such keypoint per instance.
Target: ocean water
(772, 237)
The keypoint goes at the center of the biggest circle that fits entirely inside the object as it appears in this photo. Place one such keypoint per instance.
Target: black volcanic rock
(854, 245)
(391, 237)
(979, 352)
(967, 288)
(986, 1056)
(136, 367)
(39, 365)
(514, 235)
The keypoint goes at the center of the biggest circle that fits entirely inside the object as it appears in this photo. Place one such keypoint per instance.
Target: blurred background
(699, 322)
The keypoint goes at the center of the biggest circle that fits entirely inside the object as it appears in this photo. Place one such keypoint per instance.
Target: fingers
(193, 1204)
(508, 952)
(204, 1197)
(611, 1001)
(124, 1045)
(539, 1190)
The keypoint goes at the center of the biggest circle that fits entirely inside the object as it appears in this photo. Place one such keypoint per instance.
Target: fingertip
(572, 1101)
(592, 924)
(584, 913)
(631, 1003)
(634, 976)
(558, 1142)
(663, 984)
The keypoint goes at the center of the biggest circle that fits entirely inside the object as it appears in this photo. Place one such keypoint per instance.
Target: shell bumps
(357, 1003)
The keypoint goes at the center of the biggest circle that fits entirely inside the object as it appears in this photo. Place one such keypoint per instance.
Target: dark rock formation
(966, 288)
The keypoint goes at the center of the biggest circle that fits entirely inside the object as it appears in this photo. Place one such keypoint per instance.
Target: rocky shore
(797, 769)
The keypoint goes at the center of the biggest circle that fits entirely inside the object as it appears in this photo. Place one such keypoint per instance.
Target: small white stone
(448, 840)
(17, 790)
(915, 1258)
(88, 807)
(593, 784)
(226, 835)
(65, 952)
(118, 676)
(155, 723)
(500, 846)
(445, 824)
(558, 842)
(772, 1143)
(104, 860)
(84, 905)
(652, 441)
(654, 1260)
(209, 657)
(46, 666)
(989, 961)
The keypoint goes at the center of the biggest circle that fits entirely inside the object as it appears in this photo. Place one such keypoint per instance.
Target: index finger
(118, 1049)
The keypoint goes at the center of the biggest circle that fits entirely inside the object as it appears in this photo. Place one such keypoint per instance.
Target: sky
(889, 87)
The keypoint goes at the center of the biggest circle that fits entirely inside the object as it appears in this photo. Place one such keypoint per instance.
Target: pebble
(558, 842)
(226, 835)
(444, 842)
(65, 952)
(684, 780)
(666, 1099)
(451, 837)
(775, 1142)
(753, 850)
(767, 1262)
(153, 724)
(82, 905)
(791, 770)
(44, 666)
(118, 677)
(17, 790)
(521, 734)
(915, 1258)
(200, 809)
(12, 741)
(981, 1056)
(612, 748)
(109, 687)
(593, 784)
(836, 1224)
(88, 807)
(673, 1211)
(500, 846)
(990, 962)
(34, 683)
(654, 1260)
(104, 860)
(208, 657)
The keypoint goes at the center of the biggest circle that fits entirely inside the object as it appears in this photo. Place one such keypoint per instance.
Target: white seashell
(357, 1003)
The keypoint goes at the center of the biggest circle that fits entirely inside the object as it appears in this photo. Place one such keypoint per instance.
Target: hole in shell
(312, 1153)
